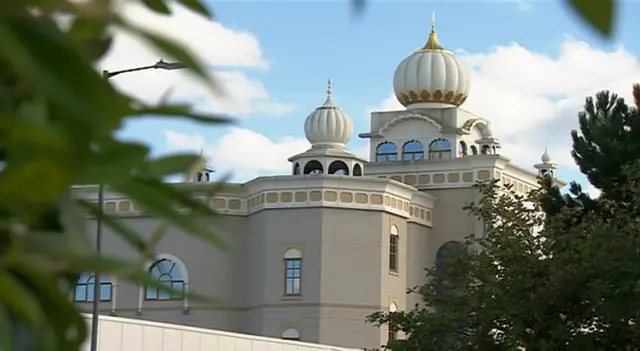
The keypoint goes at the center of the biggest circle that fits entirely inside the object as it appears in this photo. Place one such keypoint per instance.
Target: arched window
(84, 291)
(357, 170)
(338, 168)
(412, 150)
(446, 253)
(394, 241)
(170, 274)
(393, 332)
(494, 150)
(313, 167)
(440, 149)
(474, 150)
(291, 334)
(292, 272)
(486, 150)
(462, 149)
(296, 169)
(386, 151)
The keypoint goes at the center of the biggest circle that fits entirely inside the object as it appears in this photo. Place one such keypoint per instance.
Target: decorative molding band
(299, 198)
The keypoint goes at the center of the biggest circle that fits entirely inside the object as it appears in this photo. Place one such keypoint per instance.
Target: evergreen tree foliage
(605, 148)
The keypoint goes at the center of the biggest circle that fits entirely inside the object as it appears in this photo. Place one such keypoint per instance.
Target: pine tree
(606, 145)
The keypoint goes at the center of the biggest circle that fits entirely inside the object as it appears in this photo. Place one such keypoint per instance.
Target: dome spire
(433, 44)
(329, 102)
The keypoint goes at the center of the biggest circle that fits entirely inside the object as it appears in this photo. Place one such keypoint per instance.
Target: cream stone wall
(341, 225)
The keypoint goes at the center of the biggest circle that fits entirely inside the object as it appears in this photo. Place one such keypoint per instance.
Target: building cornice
(286, 192)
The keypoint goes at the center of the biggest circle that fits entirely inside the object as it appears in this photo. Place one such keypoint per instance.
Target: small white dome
(545, 157)
(431, 75)
(328, 125)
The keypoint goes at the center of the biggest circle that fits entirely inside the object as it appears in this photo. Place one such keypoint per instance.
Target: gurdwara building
(313, 252)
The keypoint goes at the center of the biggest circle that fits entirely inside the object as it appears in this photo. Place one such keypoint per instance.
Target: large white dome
(430, 77)
(328, 125)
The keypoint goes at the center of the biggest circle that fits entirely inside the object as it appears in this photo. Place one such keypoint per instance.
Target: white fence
(126, 334)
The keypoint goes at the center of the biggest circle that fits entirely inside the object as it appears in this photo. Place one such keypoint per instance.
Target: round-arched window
(313, 167)
(291, 334)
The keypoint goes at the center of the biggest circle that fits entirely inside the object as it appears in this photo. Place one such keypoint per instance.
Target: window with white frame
(292, 272)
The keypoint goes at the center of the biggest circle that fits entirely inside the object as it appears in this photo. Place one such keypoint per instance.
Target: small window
(357, 170)
(393, 332)
(292, 272)
(440, 149)
(394, 240)
(444, 256)
(168, 273)
(338, 168)
(313, 167)
(474, 150)
(85, 288)
(413, 150)
(462, 149)
(386, 151)
(486, 150)
(291, 334)
(296, 169)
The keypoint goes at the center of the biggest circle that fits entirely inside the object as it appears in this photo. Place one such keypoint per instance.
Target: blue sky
(532, 65)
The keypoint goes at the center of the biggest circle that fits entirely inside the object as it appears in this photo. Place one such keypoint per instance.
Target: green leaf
(20, 301)
(197, 6)
(158, 6)
(599, 14)
(32, 136)
(69, 79)
(65, 321)
(160, 200)
(91, 36)
(73, 223)
(169, 165)
(114, 161)
(17, 183)
(123, 231)
(6, 330)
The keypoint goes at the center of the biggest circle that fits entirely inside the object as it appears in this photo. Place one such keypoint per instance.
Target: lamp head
(169, 65)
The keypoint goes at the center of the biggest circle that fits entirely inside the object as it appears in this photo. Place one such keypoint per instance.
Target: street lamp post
(96, 276)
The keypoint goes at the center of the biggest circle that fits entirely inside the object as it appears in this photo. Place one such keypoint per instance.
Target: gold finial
(433, 44)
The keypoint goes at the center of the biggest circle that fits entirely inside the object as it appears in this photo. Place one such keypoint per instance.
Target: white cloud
(243, 152)
(532, 99)
(214, 45)
(592, 191)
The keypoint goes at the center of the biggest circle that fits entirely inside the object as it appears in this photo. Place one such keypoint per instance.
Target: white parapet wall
(127, 334)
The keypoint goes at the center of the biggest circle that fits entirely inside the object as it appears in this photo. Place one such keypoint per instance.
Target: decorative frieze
(363, 194)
